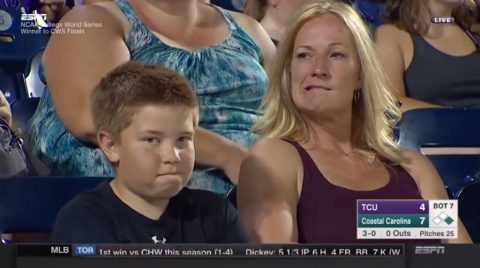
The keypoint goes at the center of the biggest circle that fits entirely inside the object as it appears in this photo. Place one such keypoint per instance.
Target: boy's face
(155, 154)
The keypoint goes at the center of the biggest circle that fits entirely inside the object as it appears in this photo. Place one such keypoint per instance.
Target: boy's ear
(108, 146)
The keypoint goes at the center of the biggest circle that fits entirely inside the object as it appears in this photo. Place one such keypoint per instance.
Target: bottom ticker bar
(195, 251)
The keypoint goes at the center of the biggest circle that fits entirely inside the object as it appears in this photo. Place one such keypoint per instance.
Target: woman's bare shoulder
(276, 157)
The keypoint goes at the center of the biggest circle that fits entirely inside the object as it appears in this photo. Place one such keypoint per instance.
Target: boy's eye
(151, 140)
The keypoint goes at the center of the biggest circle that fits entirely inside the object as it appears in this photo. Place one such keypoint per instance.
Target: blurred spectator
(476, 25)
(430, 60)
(274, 16)
(5, 111)
(54, 9)
(221, 53)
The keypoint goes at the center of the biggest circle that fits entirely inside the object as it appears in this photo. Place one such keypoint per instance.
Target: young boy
(146, 116)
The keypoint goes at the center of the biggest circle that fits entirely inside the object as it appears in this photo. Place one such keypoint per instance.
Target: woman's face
(324, 69)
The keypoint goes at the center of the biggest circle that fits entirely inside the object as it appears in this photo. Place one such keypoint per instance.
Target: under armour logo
(156, 241)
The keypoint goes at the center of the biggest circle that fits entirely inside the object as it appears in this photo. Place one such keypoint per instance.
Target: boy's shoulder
(97, 199)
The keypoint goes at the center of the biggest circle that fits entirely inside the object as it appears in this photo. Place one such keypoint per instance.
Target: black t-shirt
(192, 216)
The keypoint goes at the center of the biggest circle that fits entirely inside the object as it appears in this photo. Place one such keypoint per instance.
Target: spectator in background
(146, 118)
(274, 15)
(55, 9)
(329, 117)
(5, 112)
(431, 64)
(222, 54)
(476, 25)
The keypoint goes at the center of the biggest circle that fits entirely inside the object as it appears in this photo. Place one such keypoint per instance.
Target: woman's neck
(334, 135)
(438, 9)
(175, 12)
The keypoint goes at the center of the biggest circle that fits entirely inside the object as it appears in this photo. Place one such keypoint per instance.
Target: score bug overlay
(407, 219)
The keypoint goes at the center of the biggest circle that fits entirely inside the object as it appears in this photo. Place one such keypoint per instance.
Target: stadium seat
(234, 5)
(31, 204)
(449, 127)
(469, 209)
(444, 127)
(372, 11)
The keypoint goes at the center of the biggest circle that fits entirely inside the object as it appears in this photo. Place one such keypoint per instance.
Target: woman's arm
(268, 192)
(391, 57)
(215, 150)
(431, 187)
(259, 35)
(75, 61)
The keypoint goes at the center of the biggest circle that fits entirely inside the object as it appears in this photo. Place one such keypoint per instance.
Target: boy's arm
(234, 232)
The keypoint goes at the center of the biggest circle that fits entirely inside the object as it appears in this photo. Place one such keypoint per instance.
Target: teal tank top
(228, 78)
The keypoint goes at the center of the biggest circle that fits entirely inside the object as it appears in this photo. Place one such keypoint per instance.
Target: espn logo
(429, 250)
(32, 17)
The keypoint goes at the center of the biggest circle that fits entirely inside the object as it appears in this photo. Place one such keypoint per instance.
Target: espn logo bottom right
(428, 250)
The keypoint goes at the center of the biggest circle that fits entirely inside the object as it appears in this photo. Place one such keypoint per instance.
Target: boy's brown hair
(132, 85)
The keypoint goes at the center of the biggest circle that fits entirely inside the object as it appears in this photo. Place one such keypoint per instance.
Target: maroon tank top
(326, 213)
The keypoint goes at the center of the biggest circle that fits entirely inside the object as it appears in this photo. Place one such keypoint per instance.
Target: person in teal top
(222, 54)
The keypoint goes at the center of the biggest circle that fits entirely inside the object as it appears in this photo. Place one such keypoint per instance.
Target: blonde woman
(327, 137)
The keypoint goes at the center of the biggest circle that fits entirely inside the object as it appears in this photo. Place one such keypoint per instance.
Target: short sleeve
(234, 232)
(81, 222)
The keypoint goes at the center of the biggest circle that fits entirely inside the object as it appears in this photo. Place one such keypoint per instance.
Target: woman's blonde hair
(374, 113)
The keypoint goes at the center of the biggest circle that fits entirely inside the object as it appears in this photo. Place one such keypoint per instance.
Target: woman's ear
(109, 146)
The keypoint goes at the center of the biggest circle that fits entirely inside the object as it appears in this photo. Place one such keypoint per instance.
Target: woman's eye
(184, 139)
(337, 55)
(303, 55)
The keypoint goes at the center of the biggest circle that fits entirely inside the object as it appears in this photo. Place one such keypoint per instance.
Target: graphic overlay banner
(407, 219)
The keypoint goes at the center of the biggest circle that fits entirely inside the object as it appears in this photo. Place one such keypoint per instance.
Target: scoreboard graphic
(407, 219)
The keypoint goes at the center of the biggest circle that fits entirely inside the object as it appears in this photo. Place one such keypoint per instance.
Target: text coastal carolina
(386, 220)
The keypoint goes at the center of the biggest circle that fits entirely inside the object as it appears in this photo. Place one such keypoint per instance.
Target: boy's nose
(170, 154)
